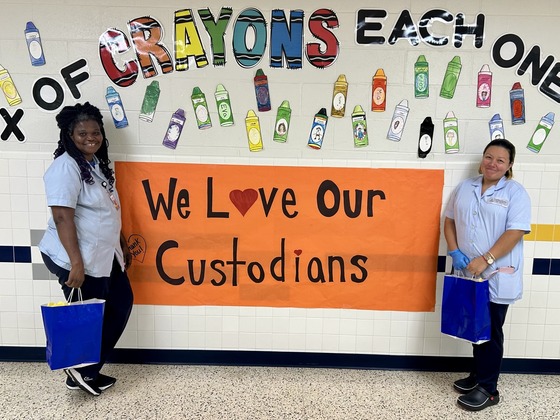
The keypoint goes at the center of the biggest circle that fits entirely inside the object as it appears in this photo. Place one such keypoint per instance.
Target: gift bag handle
(80, 298)
(507, 270)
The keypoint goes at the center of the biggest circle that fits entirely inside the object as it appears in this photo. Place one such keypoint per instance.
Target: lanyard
(108, 188)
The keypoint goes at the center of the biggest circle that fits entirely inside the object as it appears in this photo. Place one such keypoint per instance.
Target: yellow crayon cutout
(253, 128)
(8, 87)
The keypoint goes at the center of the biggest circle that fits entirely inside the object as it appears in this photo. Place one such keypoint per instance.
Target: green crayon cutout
(282, 124)
(200, 109)
(541, 133)
(359, 127)
(451, 78)
(151, 98)
(223, 104)
(421, 78)
(451, 133)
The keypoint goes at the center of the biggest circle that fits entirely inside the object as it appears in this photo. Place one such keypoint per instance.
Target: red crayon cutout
(517, 104)
(379, 91)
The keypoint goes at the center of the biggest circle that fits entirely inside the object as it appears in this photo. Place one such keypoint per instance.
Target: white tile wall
(533, 326)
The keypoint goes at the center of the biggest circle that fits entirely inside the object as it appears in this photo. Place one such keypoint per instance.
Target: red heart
(297, 252)
(243, 200)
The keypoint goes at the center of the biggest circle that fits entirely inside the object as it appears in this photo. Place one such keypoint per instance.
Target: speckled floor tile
(32, 391)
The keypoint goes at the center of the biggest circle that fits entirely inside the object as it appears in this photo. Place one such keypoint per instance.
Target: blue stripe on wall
(545, 266)
(293, 359)
(541, 266)
(19, 254)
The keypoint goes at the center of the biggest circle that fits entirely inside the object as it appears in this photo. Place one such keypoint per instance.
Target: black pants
(117, 293)
(488, 356)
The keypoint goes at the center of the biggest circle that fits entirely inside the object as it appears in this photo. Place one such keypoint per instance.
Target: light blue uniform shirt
(98, 221)
(481, 220)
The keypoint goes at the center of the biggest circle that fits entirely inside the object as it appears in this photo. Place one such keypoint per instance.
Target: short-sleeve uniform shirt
(481, 219)
(97, 216)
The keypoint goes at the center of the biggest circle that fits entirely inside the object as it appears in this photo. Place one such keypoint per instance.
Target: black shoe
(465, 385)
(70, 384)
(103, 381)
(478, 399)
(83, 382)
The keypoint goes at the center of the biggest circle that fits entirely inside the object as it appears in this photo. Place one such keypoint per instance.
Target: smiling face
(495, 163)
(87, 137)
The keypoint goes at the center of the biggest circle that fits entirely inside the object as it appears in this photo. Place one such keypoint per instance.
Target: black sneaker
(70, 384)
(465, 385)
(83, 382)
(103, 381)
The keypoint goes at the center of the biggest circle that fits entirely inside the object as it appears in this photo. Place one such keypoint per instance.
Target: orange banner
(281, 236)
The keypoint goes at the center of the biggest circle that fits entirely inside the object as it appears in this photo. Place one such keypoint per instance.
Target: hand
(76, 277)
(460, 260)
(477, 266)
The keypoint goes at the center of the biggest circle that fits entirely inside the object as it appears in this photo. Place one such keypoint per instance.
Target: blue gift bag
(73, 333)
(465, 309)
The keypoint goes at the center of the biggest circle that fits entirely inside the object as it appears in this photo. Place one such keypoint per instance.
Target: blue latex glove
(460, 260)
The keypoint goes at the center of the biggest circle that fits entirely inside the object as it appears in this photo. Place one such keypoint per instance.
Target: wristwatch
(489, 258)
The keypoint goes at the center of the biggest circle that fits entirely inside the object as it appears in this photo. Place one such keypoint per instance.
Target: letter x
(11, 124)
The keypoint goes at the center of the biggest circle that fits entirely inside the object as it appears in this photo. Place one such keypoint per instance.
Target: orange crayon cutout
(379, 91)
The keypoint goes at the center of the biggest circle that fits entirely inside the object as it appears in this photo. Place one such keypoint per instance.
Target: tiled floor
(32, 391)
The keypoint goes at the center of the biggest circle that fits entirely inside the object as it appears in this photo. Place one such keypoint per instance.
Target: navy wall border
(294, 359)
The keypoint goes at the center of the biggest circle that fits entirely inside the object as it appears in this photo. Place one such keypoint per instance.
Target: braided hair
(66, 120)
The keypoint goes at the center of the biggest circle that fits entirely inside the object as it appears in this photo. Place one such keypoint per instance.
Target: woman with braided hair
(83, 244)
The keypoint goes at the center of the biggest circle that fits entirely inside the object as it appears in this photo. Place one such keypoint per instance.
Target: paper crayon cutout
(261, 91)
(451, 133)
(340, 92)
(496, 126)
(398, 121)
(225, 114)
(426, 137)
(253, 128)
(359, 127)
(149, 104)
(282, 124)
(318, 129)
(116, 108)
(451, 78)
(421, 78)
(541, 133)
(200, 107)
(517, 104)
(379, 91)
(484, 87)
(8, 87)
(34, 46)
(174, 129)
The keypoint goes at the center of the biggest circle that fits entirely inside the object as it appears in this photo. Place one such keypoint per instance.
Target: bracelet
(489, 258)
